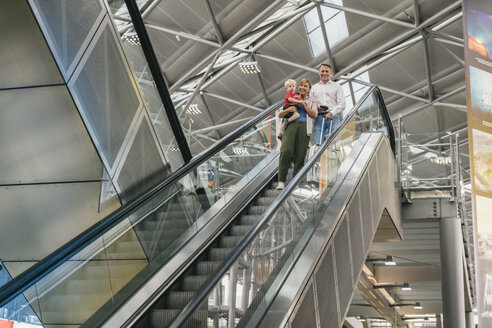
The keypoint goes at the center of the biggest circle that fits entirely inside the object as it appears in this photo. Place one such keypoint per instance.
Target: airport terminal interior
(139, 163)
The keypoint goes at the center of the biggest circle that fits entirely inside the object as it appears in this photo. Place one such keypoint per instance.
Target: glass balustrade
(109, 269)
(246, 290)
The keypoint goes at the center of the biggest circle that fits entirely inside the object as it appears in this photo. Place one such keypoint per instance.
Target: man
(331, 102)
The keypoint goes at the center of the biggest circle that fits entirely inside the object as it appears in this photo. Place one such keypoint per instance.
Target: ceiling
(411, 49)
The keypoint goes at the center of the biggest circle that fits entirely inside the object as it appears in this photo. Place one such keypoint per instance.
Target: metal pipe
(232, 101)
(325, 37)
(367, 14)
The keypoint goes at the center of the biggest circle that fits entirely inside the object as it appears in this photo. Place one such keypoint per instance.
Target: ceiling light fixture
(193, 110)
(241, 151)
(132, 38)
(251, 67)
(173, 148)
(415, 305)
(405, 286)
(441, 160)
(388, 260)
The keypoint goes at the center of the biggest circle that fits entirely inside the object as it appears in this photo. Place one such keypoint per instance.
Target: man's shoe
(281, 185)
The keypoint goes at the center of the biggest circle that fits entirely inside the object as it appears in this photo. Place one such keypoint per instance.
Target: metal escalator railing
(72, 283)
(239, 287)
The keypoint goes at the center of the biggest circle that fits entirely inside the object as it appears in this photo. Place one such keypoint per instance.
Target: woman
(295, 138)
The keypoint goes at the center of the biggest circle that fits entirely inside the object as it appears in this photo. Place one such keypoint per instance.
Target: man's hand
(329, 116)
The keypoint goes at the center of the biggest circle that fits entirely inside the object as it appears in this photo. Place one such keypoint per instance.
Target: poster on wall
(477, 25)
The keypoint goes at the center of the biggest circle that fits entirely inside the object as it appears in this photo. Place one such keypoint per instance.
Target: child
(291, 99)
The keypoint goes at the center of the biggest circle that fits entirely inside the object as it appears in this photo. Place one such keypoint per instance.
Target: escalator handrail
(212, 281)
(41, 269)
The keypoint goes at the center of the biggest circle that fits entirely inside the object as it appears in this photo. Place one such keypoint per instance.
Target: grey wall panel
(375, 195)
(366, 210)
(68, 27)
(343, 265)
(43, 139)
(37, 219)
(21, 38)
(143, 166)
(356, 236)
(327, 292)
(105, 93)
(305, 316)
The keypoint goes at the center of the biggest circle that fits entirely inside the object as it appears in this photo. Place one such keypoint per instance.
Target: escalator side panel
(332, 269)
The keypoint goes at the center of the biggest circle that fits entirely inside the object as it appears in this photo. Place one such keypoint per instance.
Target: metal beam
(262, 87)
(282, 27)
(367, 14)
(462, 108)
(226, 44)
(218, 126)
(202, 80)
(396, 92)
(287, 62)
(184, 35)
(378, 298)
(431, 20)
(446, 41)
(452, 54)
(203, 31)
(416, 13)
(222, 72)
(418, 108)
(443, 35)
(325, 38)
(232, 101)
(209, 113)
(214, 22)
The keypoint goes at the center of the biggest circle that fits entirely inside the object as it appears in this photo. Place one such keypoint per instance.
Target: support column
(453, 291)
(470, 320)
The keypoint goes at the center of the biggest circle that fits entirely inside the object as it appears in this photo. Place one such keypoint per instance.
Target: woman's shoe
(281, 185)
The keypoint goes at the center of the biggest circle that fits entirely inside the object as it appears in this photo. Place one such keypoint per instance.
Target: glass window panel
(328, 12)
(317, 43)
(311, 20)
(336, 29)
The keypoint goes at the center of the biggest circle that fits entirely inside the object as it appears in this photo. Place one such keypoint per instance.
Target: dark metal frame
(41, 269)
(160, 83)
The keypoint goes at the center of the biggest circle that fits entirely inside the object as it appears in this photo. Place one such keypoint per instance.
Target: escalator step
(257, 209)
(239, 230)
(163, 318)
(272, 193)
(177, 300)
(219, 254)
(265, 200)
(229, 241)
(248, 219)
(207, 267)
(193, 282)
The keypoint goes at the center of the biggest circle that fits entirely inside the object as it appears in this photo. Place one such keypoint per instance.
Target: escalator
(246, 274)
(237, 260)
(95, 272)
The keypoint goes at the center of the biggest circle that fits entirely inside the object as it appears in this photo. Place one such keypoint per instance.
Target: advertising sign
(477, 18)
